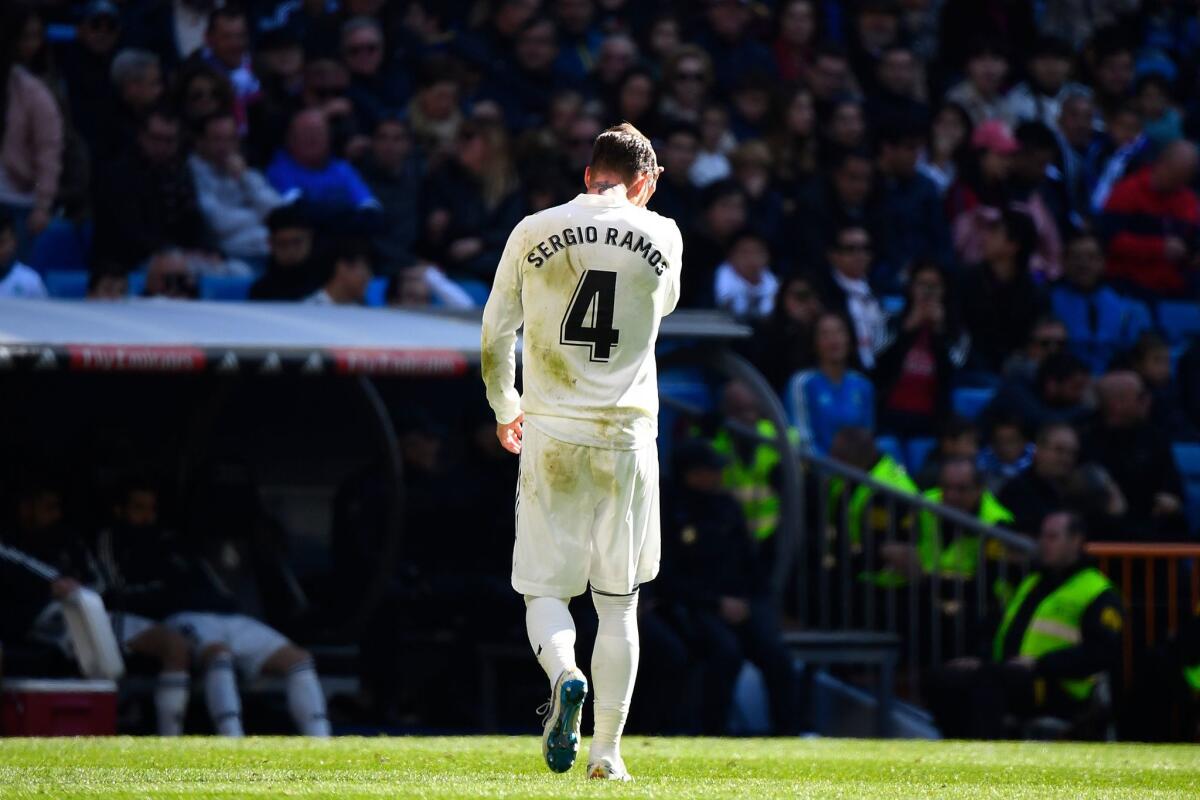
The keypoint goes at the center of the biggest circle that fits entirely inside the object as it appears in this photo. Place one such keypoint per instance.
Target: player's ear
(587, 177)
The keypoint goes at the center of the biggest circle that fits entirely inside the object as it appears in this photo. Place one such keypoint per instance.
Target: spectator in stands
(1161, 121)
(1077, 140)
(783, 344)
(293, 267)
(1045, 656)
(168, 274)
(16, 279)
(676, 196)
(1047, 337)
(723, 216)
(794, 144)
(1150, 358)
(1123, 150)
(392, 172)
(43, 562)
(138, 551)
(525, 86)
(752, 169)
(173, 31)
(745, 285)
(1187, 379)
(898, 93)
(199, 91)
(227, 48)
(1038, 192)
(1000, 299)
(981, 186)
(423, 286)
(1059, 393)
(845, 198)
(1100, 322)
(846, 289)
(146, 200)
(137, 82)
(1137, 455)
(636, 101)
(434, 112)
(86, 64)
(716, 143)
(1151, 220)
(924, 346)
(948, 143)
(329, 187)
(796, 43)
(472, 204)
(751, 107)
(1056, 480)
(1008, 452)
(31, 139)
(234, 198)
(845, 127)
(912, 206)
(107, 283)
(981, 92)
(728, 42)
(830, 78)
(687, 78)
(716, 592)
(349, 274)
(958, 437)
(827, 398)
(1040, 97)
(377, 87)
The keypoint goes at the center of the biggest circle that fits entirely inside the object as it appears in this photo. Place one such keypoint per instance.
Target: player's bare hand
(510, 435)
(63, 588)
(734, 610)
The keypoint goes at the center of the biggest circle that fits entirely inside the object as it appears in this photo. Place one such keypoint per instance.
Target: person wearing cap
(1058, 635)
(714, 593)
(292, 271)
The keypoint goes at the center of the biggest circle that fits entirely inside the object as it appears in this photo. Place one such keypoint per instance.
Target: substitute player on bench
(590, 280)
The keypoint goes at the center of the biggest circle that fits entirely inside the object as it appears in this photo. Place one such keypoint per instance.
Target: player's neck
(607, 185)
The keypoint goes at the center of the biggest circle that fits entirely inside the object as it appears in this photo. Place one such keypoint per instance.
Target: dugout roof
(158, 335)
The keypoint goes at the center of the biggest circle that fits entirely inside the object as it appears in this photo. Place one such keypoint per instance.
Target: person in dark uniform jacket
(713, 591)
(1059, 633)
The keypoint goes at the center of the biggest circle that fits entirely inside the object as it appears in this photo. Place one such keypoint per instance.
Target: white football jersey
(590, 280)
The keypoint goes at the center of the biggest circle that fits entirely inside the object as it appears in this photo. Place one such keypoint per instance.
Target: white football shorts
(251, 642)
(585, 515)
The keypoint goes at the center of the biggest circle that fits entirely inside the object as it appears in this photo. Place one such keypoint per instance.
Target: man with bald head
(332, 191)
(1152, 223)
(1137, 455)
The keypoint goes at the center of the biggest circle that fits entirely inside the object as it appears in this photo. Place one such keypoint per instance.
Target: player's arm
(673, 274)
(502, 318)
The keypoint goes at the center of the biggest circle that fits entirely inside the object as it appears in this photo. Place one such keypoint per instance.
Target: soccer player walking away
(590, 280)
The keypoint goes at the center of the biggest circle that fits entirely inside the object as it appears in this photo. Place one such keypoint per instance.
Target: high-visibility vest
(961, 558)
(1056, 622)
(1192, 676)
(887, 471)
(750, 483)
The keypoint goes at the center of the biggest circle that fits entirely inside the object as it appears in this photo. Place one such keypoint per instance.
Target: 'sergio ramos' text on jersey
(591, 280)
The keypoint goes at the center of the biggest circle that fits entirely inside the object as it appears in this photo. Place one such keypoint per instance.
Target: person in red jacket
(1152, 221)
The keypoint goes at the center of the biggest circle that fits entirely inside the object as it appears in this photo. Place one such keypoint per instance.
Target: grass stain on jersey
(554, 367)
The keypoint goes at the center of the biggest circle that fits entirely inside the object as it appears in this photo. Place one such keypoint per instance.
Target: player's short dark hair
(625, 150)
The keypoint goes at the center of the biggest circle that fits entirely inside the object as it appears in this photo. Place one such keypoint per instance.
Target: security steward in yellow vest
(1059, 633)
(959, 487)
(867, 511)
(751, 475)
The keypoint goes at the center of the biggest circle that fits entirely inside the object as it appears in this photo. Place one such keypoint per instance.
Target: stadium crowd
(903, 198)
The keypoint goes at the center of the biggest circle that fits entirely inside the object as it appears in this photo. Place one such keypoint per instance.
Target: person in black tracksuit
(42, 561)
(712, 591)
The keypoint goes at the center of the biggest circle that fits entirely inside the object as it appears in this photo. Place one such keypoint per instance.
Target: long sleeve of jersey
(502, 318)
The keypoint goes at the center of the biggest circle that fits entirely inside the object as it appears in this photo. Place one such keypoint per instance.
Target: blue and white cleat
(608, 769)
(560, 725)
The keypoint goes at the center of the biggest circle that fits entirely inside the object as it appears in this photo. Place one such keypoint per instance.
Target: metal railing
(1175, 563)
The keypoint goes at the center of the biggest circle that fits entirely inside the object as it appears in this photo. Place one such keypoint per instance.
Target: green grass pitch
(507, 767)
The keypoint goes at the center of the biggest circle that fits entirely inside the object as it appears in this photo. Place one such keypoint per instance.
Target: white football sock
(170, 702)
(551, 634)
(221, 695)
(614, 670)
(306, 701)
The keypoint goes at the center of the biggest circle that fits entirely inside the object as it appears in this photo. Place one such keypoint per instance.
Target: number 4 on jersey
(592, 302)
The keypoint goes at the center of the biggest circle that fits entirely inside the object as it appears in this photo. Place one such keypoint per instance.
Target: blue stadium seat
(892, 303)
(137, 284)
(59, 32)
(67, 284)
(225, 287)
(62, 246)
(377, 292)
(918, 452)
(1179, 319)
(890, 445)
(1187, 458)
(970, 402)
